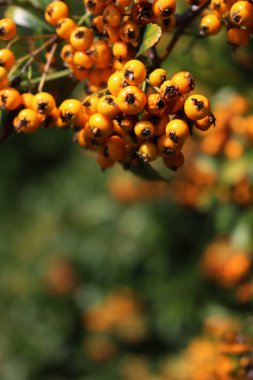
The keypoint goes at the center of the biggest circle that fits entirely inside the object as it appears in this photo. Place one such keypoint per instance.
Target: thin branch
(36, 52)
(47, 66)
(184, 21)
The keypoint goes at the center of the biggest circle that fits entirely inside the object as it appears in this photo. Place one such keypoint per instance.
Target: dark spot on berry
(144, 13)
(171, 91)
(168, 151)
(128, 74)
(87, 104)
(50, 11)
(146, 132)
(212, 119)
(217, 5)
(2, 31)
(42, 106)
(160, 104)
(4, 100)
(80, 34)
(91, 51)
(173, 137)
(60, 23)
(191, 81)
(163, 78)
(67, 54)
(167, 12)
(109, 100)
(90, 4)
(124, 84)
(130, 34)
(23, 123)
(95, 132)
(130, 99)
(236, 17)
(67, 116)
(198, 104)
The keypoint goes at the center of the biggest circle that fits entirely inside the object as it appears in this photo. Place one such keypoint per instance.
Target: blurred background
(107, 276)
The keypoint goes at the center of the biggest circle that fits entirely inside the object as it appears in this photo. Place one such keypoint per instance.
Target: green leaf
(36, 3)
(151, 36)
(31, 19)
(147, 172)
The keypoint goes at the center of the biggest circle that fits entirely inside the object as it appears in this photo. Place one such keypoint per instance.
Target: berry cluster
(111, 37)
(128, 123)
(130, 113)
(236, 16)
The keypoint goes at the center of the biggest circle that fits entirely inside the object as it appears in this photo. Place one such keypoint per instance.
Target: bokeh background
(106, 276)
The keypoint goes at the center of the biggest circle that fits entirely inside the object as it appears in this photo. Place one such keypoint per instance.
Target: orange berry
(7, 59)
(148, 151)
(241, 14)
(116, 148)
(157, 77)
(174, 162)
(64, 27)
(144, 129)
(112, 15)
(81, 38)
(155, 104)
(134, 72)
(196, 107)
(168, 147)
(27, 121)
(43, 103)
(184, 80)
(169, 91)
(56, 11)
(205, 123)
(100, 125)
(10, 99)
(8, 29)
(129, 32)
(177, 130)
(238, 37)
(131, 100)
(67, 53)
(164, 8)
(210, 25)
(107, 105)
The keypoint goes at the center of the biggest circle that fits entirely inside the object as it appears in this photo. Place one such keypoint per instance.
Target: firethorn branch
(184, 21)
(38, 51)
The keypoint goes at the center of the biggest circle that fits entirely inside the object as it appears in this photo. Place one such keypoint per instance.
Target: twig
(36, 52)
(47, 66)
(184, 21)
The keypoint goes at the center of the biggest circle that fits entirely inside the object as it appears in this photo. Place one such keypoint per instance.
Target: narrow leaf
(151, 36)
(31, 19)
